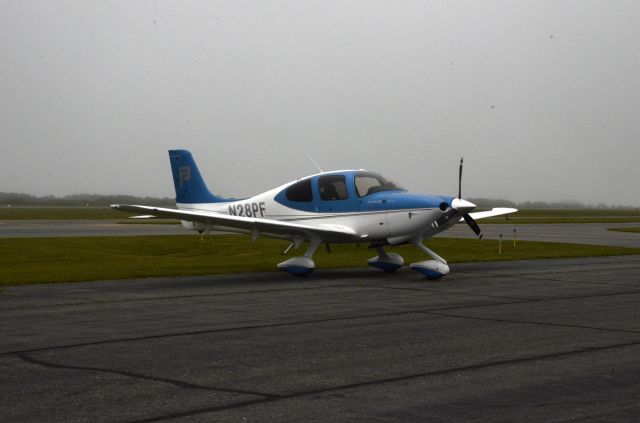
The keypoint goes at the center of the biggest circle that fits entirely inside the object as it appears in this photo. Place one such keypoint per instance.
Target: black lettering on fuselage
(247, 209)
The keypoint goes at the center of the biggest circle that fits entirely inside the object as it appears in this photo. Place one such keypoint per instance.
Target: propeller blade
(460, 179)
(473, 225)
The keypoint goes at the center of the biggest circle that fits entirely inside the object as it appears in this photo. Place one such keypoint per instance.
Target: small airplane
(345, 206)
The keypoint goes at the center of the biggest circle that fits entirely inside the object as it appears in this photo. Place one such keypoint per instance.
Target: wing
(497, 211)
(267, 227)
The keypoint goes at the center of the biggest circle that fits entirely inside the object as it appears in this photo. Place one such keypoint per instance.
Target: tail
(190, 187)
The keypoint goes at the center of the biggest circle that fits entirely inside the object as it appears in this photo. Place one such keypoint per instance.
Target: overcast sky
(542, 98)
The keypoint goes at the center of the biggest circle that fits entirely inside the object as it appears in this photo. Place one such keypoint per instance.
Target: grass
(631, 230)
(45, 260)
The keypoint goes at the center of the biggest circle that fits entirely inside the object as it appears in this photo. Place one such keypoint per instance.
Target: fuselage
(376, 209)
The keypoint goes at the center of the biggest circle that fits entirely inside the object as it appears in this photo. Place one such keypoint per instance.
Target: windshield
(368, 183)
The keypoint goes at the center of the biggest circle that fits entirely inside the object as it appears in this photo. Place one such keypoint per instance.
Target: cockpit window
(368, 183)
(332, 187)
(300, 191)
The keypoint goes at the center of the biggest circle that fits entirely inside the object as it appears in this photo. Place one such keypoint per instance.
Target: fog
(540, 97)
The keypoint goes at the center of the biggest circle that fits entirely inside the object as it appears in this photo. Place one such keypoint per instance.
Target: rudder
(187, 180)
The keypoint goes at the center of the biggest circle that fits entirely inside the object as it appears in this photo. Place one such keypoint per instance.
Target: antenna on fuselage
(314, 163)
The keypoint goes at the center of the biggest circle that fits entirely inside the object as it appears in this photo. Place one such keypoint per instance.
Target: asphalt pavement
(541, 340)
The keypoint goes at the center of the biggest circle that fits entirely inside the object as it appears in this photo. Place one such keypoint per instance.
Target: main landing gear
(432, 269)
(300, 266)
(389, 262)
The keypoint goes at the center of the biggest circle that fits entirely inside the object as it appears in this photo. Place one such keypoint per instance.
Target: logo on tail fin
(185, 174)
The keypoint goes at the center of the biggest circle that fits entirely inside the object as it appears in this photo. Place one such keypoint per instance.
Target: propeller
(473, 225)
(460, 178)
(464, 206)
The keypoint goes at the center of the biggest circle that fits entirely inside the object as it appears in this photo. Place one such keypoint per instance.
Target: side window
(300, 191)
(366, 184)
(332, 187)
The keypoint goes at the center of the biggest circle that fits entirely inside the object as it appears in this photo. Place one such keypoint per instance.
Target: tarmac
(545, 340)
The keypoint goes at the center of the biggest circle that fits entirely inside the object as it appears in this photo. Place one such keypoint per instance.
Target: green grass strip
(46, 260)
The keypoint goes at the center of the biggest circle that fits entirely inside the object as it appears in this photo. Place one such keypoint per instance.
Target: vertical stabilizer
(190, 187)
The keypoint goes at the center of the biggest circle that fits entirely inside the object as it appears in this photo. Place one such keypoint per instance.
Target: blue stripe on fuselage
(406, 200)
(395, 199)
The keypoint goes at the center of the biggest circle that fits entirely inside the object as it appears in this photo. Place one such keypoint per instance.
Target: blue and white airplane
(346, 206)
